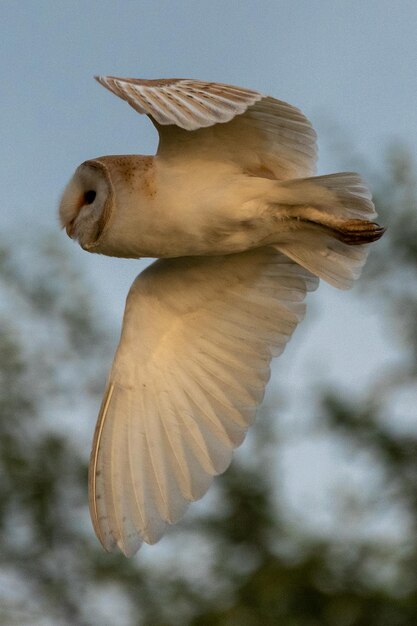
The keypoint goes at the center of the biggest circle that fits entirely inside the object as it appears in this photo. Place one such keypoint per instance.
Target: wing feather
(205, 406)
(264, 136)
(189, 373)
(192, 103)
(191, 478)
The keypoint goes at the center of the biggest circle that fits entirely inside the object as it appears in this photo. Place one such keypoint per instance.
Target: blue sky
(348, 63)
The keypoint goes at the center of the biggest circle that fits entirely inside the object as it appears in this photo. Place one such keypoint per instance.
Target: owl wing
(188, 375)
(264, 136)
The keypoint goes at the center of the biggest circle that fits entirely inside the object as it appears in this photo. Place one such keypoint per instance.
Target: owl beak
(70, 228)
(70, 225)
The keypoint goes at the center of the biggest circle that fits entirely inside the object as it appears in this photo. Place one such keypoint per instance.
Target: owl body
(156, 207)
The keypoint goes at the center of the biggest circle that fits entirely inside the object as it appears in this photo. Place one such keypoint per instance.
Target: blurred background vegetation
(245, 559)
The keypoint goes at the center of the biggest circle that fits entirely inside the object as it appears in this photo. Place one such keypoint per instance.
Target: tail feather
(332, 226)
(345, 195)
(336, 262)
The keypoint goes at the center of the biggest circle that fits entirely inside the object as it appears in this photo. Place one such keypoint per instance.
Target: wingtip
(111, 83)
(100, 79)
(105, 81)
(129, 550)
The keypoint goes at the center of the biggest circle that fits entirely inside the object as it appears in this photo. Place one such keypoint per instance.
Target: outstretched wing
(264, 136)
(187, 103)
(189, 373)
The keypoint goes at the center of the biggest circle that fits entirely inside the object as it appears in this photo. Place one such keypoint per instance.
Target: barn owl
(243, 229)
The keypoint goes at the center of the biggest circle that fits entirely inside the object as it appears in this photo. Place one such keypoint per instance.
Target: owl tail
(331, 225)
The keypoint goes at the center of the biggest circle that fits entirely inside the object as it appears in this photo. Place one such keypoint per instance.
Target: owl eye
(89, 196)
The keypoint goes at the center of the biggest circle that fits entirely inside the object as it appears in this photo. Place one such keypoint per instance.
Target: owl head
(102, 202)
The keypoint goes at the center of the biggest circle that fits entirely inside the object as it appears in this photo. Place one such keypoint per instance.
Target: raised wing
(264, 136)
(189, 373)
(187, 103)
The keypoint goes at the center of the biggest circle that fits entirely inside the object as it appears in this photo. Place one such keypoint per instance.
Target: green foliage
(247, 561)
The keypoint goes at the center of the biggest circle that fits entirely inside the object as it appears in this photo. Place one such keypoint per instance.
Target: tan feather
(260, 133)
(184, 388)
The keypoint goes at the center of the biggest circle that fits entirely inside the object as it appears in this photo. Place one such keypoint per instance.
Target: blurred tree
(247, 562)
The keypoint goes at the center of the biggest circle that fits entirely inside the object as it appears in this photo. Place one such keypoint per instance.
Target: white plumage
(243, 231)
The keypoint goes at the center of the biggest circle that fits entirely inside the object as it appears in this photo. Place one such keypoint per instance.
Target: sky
(349, 65)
